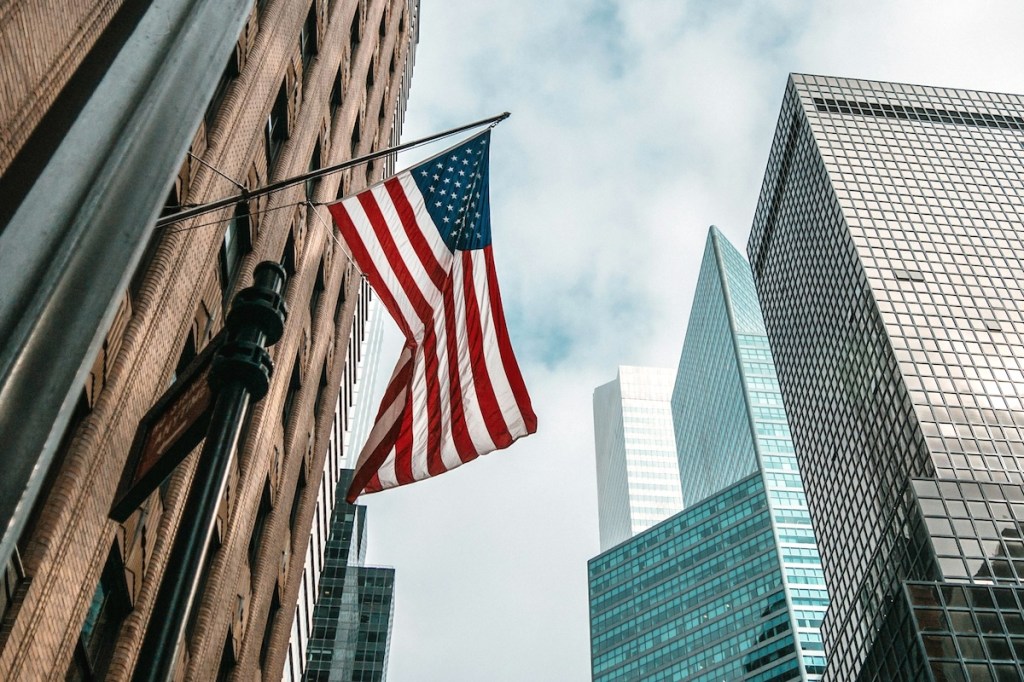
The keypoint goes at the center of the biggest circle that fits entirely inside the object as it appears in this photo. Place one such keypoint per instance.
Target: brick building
(309, 83)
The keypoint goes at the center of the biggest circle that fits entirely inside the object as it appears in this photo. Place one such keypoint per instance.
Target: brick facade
(175, 304)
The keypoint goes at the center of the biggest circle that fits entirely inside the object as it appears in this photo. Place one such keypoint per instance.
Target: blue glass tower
(731, 587)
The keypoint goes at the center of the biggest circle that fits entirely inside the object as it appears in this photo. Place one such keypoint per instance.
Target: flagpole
(194, 211)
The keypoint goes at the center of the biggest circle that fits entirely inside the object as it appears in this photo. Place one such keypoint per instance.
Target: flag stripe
(399, 265)
(378, 448)
(432, 465)
(403, 445)
(362, 258)
(383, 261)
(476, 428)
(464, 446)
(491, 355)
(493, 420)
(432, 263)
(508, 358)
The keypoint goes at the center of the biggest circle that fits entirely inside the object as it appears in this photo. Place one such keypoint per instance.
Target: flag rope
(216, 170)
(246, 195)
(189, 228)
(331, 232)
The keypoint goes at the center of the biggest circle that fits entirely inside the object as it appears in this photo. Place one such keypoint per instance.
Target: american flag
(423, 240)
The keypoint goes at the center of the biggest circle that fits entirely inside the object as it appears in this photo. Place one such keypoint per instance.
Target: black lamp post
(240, 375)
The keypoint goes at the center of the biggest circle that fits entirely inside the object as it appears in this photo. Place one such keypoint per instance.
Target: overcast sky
(635, 125)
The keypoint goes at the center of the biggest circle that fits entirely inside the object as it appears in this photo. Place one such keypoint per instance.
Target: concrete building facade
(309, 83)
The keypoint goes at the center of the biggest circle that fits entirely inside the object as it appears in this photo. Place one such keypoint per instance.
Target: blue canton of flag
(455, 191)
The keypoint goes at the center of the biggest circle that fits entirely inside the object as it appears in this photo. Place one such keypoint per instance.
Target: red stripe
(437, 273)
(403, 445)
(362, 257)
(435, 465)
(368, 466)
(401, 271)
(373, 486)
(508, 358)
(494, 420)
(460, 431)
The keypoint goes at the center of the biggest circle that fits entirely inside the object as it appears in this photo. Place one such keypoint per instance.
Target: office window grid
(884, 252)
(801, 564)
(377, 610)
(970, 632)
(731, 419)
(974, 529)
(699, 596)
(638, 480)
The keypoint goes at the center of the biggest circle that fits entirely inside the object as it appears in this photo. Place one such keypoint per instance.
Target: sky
(635, 125)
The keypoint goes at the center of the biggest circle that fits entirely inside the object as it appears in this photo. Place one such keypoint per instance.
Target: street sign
(171, 429)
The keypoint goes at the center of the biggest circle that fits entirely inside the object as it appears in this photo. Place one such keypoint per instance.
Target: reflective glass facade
(712, 454)
(331, 646)
(698, 597)
(887, 248)
(352, 620)
(376, 615)
(637, 474)
(730, 422)
(731, 588)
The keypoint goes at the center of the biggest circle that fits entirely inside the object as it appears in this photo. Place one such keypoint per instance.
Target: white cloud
(635, 124)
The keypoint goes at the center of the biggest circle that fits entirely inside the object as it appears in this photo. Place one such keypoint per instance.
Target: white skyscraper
(637, 467)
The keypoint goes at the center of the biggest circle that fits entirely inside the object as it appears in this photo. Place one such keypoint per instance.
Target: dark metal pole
(320, 172)
(240, 375)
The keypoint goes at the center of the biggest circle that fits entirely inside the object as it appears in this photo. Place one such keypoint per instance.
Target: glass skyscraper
(886, 248)
(331, 646)
(376, 615)
(637, 475)
(730, 588)
(323, 641)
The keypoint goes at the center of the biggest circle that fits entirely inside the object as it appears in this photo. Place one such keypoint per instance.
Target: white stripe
(389, 414)
(433, 236)
(378, 258)
(405, 251)
(449, 454)
(420, 421)
(475, 423)
(492, 352)
(386, 473)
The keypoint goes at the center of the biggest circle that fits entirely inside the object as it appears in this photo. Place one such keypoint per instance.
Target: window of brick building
(275, 607)
(289, 399)
(227, 660)
(277, 126)
(314, 164)
(288, 256)
(237, 242)
(318, 291)
(108, 608)
(307, 37)
(355, 31)
(336, 92)
(320, 392)
(262, 513)
(223, 85)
